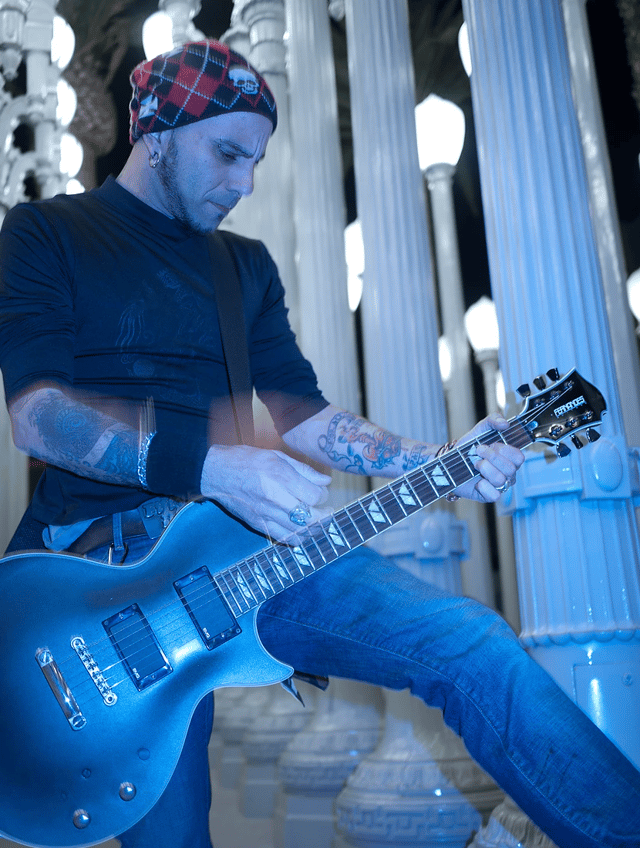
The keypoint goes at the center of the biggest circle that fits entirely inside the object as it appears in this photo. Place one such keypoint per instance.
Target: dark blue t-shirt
(102, 293)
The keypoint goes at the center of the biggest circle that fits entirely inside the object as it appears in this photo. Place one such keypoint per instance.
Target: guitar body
(90, 735)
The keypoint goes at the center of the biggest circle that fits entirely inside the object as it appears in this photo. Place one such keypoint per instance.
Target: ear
(157, 142)
(153, 142)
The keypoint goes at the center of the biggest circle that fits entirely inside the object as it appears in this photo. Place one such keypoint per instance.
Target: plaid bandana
(195, 81)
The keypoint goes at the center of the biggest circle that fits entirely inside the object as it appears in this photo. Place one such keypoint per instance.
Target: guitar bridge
(108, 695)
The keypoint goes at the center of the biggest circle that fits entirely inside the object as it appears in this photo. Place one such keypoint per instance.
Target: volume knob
(81, 819)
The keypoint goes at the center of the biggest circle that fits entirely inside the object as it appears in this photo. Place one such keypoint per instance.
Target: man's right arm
(258, 486)
(51, 426)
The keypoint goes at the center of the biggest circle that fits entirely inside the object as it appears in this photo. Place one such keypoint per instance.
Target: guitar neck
(249, 582)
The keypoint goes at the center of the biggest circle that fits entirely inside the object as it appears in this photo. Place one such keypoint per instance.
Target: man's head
(193, 82)
(201, 117)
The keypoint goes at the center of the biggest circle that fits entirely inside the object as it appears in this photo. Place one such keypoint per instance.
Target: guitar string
(209, 591)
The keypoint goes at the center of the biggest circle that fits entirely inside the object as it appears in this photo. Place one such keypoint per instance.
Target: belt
(149, 519)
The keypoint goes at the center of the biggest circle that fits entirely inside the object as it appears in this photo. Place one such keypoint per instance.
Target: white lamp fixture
(464, 48)
(440, 128)
(444, 359)
(157, 34)
(633, 293)
(63, 43)
(74, 186)
(354, 253)
(71, 155)
(67, 102)
(481, 324)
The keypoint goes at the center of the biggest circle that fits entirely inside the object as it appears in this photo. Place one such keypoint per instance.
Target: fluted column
(268, 213)
(385, 796)
(575, 529)
(602, 201)
(404, 391)
(327, 333)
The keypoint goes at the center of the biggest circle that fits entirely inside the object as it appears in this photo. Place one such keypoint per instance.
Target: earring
(154, 159)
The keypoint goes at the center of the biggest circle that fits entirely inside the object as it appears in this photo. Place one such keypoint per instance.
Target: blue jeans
(365, 619)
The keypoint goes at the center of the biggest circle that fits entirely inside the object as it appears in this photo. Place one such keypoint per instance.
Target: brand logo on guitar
(573, 404)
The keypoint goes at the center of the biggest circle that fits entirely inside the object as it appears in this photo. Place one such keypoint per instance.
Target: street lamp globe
(440, 129)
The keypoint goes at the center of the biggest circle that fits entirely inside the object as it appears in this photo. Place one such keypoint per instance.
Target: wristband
(143, 456)
(174, 465)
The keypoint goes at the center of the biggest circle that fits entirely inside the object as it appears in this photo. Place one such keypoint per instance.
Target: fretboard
(249, 582)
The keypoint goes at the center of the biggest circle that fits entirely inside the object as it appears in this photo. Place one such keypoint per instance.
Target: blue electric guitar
(102, 667)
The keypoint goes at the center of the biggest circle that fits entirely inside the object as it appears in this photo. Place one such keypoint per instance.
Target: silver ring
(506, 485)
(300, 515)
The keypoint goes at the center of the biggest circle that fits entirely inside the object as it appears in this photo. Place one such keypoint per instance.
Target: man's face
(206, 167)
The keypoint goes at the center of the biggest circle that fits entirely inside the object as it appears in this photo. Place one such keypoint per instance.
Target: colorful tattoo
(418, 455)
(346, 432)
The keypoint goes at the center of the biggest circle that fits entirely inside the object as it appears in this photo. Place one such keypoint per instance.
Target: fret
(291, 564)
(349, 529)
(323, 541)
(457, 468)
(223, 586)
(335, 536)
(439, 477)
(372, 507)
(238, 597)
(364, 524)
(242, 585)
(303, 559)
(259, 574)
(250, 580)
(269, 571)
(470, 467)
(406, 494)
(280, 566)
(519, 436)
(313, 550)
(392, 504)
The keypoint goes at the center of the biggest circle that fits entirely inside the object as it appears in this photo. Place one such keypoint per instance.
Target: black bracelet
(174, 465)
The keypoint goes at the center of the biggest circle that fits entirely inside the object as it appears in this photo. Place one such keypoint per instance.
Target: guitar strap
(234, 335)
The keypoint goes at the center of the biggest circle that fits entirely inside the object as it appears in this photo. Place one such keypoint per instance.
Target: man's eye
(226, 155)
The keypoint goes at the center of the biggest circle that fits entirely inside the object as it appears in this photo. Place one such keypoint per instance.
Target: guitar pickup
(137, 646)
(207, 608)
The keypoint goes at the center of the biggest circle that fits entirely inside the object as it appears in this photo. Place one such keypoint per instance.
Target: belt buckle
(156, 515)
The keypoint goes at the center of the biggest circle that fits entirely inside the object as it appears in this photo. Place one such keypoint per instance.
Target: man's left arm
(348, 442)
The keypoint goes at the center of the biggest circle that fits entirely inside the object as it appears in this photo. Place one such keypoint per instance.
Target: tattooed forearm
(80, 439)
(357, 445)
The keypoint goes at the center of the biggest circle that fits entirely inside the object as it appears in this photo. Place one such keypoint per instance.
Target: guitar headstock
(570, 404)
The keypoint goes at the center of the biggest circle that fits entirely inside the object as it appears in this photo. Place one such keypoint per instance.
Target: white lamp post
(440, 129)
(481, 324)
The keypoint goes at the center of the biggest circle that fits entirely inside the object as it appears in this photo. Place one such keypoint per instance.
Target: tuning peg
(592, 435)
(562, 449)
(539, 382)
(553, 374)
(524, 390)
(576, 442)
